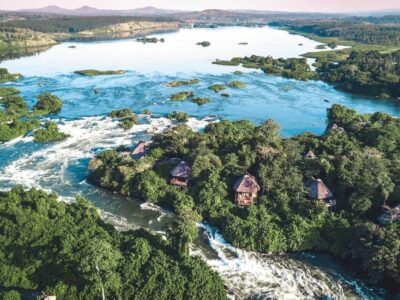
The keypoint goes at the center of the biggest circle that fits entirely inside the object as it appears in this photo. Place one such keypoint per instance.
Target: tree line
(74, 24)
(379, 31)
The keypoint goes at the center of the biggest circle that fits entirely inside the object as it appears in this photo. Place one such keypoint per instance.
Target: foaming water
(251, 275)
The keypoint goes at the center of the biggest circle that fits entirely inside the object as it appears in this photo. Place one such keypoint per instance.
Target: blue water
(62, 167)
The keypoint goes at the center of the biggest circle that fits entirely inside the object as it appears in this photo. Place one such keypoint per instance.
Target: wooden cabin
(310, 155)
(246, 189)
(180, 175)
(140, 150)
(319, 191)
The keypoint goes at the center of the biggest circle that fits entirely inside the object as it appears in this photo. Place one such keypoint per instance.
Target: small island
(179, 116)
(127, 119)
(176, 83)
(181, 96)
(49, 133)
(204, 44)
(217, 87)
(91, 72)
(237, 84)
(201, 101)
(5, 76)
(153, 40)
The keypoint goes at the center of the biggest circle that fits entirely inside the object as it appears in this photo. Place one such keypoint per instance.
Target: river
(62, 167)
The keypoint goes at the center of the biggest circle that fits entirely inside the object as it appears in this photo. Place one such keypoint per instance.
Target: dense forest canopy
(380, 31)
(359, 164)
(365, 72)
(369, 72)
(73, 24)
(68, 251)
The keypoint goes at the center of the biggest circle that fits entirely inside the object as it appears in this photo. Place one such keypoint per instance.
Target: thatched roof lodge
(181, 174)
(319, 191)
(310, 155)
(140, 150)
(246, 189)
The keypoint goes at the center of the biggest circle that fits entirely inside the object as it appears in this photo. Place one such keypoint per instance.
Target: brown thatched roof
(318, 189)
(182, 170)
(311, 155)
(246, 184)
(141, 149)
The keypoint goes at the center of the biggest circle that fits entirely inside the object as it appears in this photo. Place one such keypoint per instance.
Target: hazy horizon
(272, 5)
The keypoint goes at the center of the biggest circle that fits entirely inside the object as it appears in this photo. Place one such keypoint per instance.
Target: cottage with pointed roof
(311, 155)
(140, 150)
(181, 174)
(246, 189)
(319, 191)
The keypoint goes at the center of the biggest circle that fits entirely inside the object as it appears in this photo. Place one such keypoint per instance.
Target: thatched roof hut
(246, 184)
(182, 170)
(181, 174)
(310, 155)
(140, 150)
(318, 189)
(246, 189)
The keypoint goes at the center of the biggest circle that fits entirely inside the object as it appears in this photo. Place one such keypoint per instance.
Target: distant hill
(91, 11)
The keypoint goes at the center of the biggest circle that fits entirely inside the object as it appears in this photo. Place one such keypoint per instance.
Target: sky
(279, 5)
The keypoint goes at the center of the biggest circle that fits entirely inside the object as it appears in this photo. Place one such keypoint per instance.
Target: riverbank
(24, 42)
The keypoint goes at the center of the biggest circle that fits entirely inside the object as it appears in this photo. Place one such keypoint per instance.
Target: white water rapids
(246, 275)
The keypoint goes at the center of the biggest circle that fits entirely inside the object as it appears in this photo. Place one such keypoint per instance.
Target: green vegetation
(237, 84)
(176, 83)
(47, 104)
(369, 73)
(217, 87)
(99, 73)
(179, 116)
(226, 62)
(16, 128)
(320, 46)
(358, 164)
(49, 133)
(296, 68)
(372, 73)
(126, 117)
(68, 251)
(181, 96)
(374, 31)
(70, 25)
(5, 76)
(15, 118)
(204, 44)
(146, 112)
(8, 91)
(201, 101)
